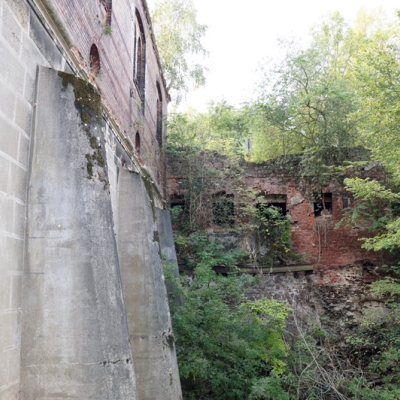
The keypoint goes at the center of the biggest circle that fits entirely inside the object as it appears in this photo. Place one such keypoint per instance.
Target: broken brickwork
(314, 236)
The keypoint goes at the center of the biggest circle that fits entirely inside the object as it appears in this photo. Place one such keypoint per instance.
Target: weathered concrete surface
(75, 340)
(145, 294)
(19, 56)
(168, 252)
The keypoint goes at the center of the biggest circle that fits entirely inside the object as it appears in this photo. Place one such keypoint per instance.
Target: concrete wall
(23, 45)
(75, 339)
(149, 322)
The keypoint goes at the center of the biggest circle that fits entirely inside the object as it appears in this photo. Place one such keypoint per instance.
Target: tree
(375, 72)
(222, 128)
(306, 101)
(178, 36)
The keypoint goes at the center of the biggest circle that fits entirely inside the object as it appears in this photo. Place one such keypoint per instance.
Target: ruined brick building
(83, 306)
(83, 205)
(313, 211)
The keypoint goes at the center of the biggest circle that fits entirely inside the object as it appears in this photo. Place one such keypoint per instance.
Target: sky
(242, 33)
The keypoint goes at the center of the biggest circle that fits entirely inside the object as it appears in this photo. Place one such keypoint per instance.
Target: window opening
(223, 209)
(323, 206)
(134, 55)
(276, 200)
(177, 201)
(137, 143)
(107, 4)
(94, 60)
(140, 58)
(159, 117)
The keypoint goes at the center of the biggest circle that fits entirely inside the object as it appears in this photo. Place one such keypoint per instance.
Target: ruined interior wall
(326, 249)
(23, 45)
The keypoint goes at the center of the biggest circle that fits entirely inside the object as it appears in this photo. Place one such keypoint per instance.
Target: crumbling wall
(314, 236)
(337, 304)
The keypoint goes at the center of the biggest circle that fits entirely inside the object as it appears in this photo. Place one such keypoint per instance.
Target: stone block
(10, 328)
(7, 100)
(12, 72)
(20, 11)
(4, 173)
(30, 56)
(13, 363)
(18, 182)
(16, 289)
(3, 371)
(11, 30)
(9, 138)
(23, 115)
(44, 43)
(6, 214)
(10, 391)
(12, 251)
(29, 89)
(5, 290)
(19, 219)
(23, 156)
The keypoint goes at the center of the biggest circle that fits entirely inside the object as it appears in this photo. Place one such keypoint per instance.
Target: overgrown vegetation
(226, 344)
(313, 105)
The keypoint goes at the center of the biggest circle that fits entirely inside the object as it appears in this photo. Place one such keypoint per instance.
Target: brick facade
(85, 22)
(313, 235)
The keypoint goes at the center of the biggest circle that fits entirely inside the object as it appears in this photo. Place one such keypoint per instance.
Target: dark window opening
(107, 4)
(140, 59)
(223, 209)
(324, 200)
(177, 201)
(137, 143)
(278, 201)
(134, 55)
(94, 60)
(159, 117)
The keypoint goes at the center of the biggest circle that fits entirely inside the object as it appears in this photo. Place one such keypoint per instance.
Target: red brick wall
(85, 22)
(326, 252)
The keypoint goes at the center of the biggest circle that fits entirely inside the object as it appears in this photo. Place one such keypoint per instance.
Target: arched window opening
(134, 55)
(139, 61)
(107, 4)
(159, 117)
(94, 60)
(137, 143)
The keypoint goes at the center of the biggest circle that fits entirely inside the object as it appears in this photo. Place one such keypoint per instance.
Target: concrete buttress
(75, 341)
(145, 294)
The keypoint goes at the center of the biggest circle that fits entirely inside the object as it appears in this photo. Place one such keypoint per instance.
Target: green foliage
(269, 388)
(225, 343)
(374, 211)
(178, 36)
(108, 30)
(305, 100)
(222, 129)
(273, 232)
